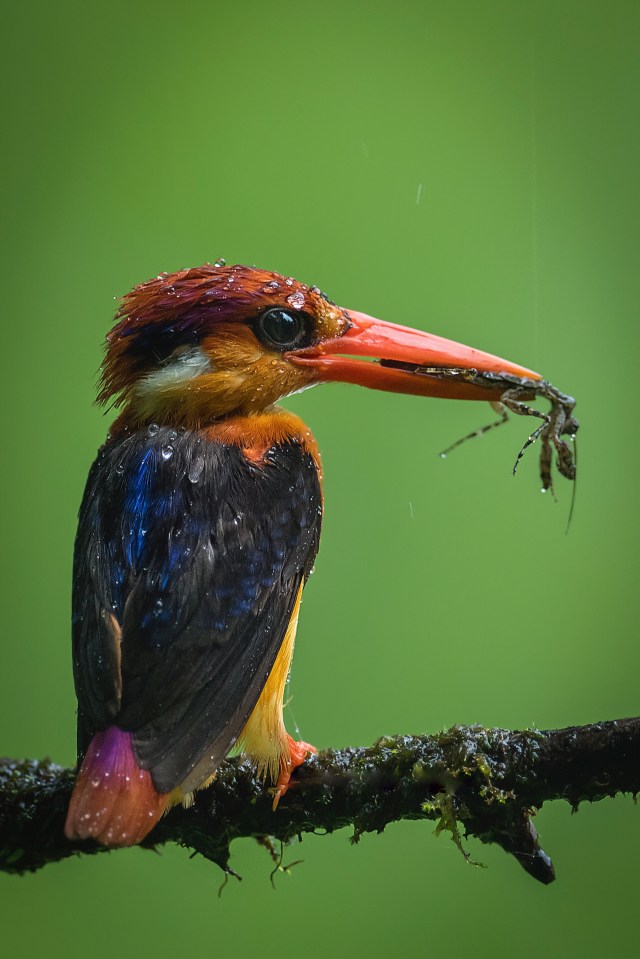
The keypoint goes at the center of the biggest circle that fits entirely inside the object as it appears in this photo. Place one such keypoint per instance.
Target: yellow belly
(264, 738)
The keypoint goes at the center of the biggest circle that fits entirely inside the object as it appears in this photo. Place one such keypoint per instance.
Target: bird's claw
(298, 752)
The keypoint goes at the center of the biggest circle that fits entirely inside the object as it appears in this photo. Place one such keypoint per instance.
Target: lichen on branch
(474, 781)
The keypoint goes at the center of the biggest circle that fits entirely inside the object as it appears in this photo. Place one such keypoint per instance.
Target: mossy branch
(482, 782)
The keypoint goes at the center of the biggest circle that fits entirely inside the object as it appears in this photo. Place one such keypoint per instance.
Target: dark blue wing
(187, 566)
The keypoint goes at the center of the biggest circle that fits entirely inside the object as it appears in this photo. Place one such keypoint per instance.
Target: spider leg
(564, 454)
(573, 492)
(566, 457)
(504, 416)
(529, 442)
(511, 401)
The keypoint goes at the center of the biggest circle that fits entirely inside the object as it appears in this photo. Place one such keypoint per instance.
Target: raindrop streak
(535, 250)
(419, 194)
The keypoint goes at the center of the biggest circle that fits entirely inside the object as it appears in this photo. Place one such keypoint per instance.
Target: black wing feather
(199, 556)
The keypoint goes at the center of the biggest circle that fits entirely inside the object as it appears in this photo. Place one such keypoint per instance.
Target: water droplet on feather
(195, 469)
(296, 300)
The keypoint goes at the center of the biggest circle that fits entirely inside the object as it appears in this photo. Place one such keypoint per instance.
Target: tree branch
(482, 782)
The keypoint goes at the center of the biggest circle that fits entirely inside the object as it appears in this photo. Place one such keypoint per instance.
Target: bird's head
(202, 344)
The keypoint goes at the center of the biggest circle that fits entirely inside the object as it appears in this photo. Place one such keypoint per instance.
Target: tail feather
(114, 801)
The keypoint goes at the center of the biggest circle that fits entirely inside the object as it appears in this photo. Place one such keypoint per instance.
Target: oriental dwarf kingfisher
(200, 524)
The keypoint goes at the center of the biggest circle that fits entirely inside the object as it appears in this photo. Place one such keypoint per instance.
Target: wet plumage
(200, 524)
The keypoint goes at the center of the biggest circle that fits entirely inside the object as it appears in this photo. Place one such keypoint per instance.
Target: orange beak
(408, 361)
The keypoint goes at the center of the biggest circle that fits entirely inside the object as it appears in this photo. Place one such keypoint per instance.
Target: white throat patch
(179, 368)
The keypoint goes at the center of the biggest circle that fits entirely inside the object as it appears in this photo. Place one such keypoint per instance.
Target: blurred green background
(470, 168)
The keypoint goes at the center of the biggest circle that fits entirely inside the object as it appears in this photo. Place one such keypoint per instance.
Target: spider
(515, 397)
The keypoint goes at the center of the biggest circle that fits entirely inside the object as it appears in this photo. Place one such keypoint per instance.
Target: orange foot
(298, 752)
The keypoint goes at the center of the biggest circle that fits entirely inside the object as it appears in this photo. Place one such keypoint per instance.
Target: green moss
(443, 805)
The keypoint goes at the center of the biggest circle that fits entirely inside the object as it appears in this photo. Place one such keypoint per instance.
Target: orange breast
(257, 433)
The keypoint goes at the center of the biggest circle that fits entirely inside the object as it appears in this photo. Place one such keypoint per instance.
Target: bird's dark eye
(282, 330)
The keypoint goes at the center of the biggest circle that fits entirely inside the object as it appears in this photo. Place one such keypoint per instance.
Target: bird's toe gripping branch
(298, 752)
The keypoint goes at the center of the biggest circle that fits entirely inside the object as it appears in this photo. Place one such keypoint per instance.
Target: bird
(200, 523)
